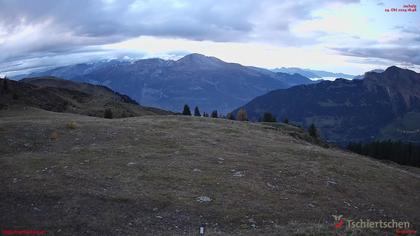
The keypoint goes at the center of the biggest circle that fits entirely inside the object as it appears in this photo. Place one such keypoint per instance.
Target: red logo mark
(339, 224)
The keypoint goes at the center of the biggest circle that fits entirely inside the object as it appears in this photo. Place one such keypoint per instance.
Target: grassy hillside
(54, 94)
(167, 175)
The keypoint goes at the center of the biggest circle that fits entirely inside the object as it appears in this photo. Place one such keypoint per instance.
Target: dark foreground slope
(54, 94)
(167, 175)
(381, 106)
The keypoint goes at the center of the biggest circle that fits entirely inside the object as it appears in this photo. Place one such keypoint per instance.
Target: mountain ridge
(195, 79)
(350, 110)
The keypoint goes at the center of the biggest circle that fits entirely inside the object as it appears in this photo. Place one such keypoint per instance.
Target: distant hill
(381, 106)
(53, 94)
(313, 74)
(197, 80)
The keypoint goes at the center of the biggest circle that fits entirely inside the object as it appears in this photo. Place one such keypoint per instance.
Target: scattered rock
(271, 185)
(311, 205)
(202, 199)
(196, 170)
(131, 163)
(239, 174)
(159, 217)
(330, 182)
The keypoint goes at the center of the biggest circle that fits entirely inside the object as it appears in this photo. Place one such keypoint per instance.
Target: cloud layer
(33, 31)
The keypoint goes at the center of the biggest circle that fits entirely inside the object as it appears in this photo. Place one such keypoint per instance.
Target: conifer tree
(5, 84)
(196, 111)
(313, 131)
(186, 111)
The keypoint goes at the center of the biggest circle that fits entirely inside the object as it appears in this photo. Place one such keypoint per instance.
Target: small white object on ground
(239, 174)
(203, 199)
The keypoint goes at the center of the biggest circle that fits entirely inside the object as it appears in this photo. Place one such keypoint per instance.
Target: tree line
(396, 151)
(242, 115)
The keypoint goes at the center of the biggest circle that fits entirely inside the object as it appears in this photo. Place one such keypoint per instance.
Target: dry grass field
(168, 175)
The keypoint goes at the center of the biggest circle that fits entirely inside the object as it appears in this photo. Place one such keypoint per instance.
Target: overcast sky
(349, 36)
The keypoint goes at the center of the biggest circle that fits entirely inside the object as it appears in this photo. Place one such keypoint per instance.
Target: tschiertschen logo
(400, 227)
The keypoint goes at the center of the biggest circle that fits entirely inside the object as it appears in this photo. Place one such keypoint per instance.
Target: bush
(54, 135)
(108, 113)
(71, 125)
(186, 111)
(230, 116)
(242, 115)
(214, 114)
(268, 117)
(286, 121)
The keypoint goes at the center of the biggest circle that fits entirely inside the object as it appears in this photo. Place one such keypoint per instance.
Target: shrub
(214, 114)
(268, 117)
(286, 121)
(54, 135)
(230, 116)
(71, 125)
(108, 113)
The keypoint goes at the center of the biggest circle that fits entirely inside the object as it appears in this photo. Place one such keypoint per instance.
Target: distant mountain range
(381, 106)
(197, 80)
(53, 94)
(312, 74)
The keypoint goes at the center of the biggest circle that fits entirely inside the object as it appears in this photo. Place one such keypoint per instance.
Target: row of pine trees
(241, 114)
(396, 151)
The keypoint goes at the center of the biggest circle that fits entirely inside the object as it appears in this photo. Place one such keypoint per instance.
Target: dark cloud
(403, 48)
(407, 55)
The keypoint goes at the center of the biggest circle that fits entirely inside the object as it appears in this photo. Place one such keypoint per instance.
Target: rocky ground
(168, 175)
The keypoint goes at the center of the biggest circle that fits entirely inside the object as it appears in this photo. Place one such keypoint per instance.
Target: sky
(349, 36)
